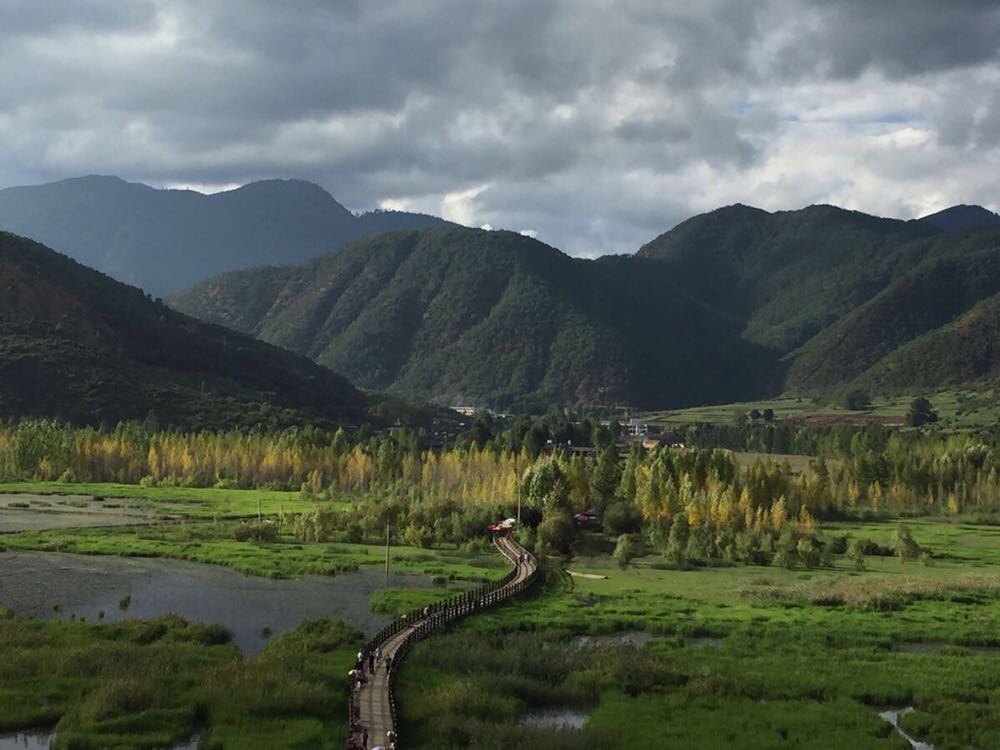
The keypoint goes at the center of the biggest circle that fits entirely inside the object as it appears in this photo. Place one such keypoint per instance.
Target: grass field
(157, 683)
(957, 409)
(213, 543)
(739, 657)
(195, 502)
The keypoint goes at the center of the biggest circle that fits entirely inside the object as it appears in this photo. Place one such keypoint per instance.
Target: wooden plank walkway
(372, 705)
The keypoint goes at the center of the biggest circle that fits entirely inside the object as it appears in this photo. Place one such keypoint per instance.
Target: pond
(893, 716)
(555, 718)
(626, 639)
(42, 740)
(39, 740)
(42, 512)
(32, 584)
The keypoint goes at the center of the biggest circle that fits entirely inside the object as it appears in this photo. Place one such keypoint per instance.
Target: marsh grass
(153, 683)
(881, 594)
(214, 543)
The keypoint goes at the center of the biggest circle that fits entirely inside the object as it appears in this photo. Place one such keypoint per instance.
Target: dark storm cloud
(593, 123)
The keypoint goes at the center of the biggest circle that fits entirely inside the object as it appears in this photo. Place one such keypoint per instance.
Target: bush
(629, 547)
(266, 531)
(856, 553)
(556, 532)
(857, 400)
(622, 518)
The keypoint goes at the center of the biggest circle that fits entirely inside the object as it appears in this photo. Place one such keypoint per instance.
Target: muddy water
(42, 512)
(32, 583)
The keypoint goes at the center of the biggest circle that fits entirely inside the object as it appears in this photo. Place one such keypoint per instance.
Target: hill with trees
(961, 218)
(737, 301)
(472, 316)
(164, 241)
(77, 345)
(845, 298)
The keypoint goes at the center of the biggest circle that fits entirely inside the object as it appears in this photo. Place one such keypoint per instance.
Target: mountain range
(77, 345)
(164, 241)
(731, 304)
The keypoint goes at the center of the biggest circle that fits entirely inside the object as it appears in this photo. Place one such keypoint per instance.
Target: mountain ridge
(80, 346)
(491, 317)
(809, 301)
(164, 240)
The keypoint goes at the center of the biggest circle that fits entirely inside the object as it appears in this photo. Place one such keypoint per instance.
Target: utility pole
(260, 515)
(518, 509)
(387, 552)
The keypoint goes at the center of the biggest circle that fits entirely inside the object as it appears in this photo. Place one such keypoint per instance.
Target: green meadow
(728, 656)
(159, 683)
(956, 409)
(192, 502)
(740, 656)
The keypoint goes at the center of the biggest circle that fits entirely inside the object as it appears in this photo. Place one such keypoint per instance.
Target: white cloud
(596, 124)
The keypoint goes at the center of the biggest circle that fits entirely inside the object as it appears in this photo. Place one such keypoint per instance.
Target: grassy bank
(213, 543)
(194, 502)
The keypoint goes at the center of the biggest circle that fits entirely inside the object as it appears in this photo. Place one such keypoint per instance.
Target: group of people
(372, 659)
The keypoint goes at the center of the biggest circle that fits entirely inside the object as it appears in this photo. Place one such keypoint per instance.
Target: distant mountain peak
(961, 218)
(164, 240)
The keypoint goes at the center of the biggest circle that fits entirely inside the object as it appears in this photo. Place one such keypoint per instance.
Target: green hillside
(924, 300)
(735, 304)
(789, 274)
(77, 345)
(462, 315)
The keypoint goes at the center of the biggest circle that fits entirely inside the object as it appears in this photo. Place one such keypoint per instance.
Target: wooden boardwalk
(373, 707)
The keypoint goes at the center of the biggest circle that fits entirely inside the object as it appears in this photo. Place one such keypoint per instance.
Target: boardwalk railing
(422, 622)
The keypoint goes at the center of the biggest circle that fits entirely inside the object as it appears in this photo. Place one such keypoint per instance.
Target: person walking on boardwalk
(364, 740)
(371, 662)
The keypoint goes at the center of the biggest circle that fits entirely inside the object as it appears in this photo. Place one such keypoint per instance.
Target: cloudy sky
(596, 124)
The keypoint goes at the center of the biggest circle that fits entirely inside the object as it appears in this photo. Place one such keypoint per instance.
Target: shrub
(629, 547)
(265, 531)
(622, 518)
(556, 532)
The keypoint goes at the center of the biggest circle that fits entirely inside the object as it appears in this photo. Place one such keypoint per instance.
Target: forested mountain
(785, 275)
(961, 218)
(77, 345)
(844, 298)
(465, 315)
(165, 240)
(728, 304)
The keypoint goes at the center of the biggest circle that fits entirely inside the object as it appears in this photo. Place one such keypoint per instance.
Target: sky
(594, 125)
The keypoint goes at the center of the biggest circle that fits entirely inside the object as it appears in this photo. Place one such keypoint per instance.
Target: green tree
(920, 413)
(857, 400)
(903, 544)
(677, 540)
(856, 553)
(481, 432)
(556, 532)
(605, 476)
(621, 518)
(545, 486)
(628, 547)
(786, 550)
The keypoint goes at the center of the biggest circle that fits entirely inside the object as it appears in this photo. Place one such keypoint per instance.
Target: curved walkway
(373, 706)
